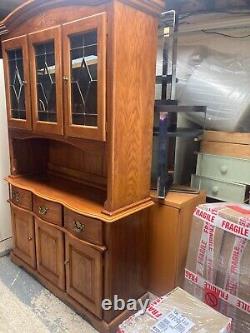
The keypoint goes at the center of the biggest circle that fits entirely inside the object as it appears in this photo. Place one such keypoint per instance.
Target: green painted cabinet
(227, 169)
(221, 190)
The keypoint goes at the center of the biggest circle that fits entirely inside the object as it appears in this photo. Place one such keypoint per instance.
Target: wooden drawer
(48, 210)
(83, 227)
(221, 190)
(21, 198)
(227, 169)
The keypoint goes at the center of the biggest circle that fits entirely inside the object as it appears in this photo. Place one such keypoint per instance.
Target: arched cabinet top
(33, 7)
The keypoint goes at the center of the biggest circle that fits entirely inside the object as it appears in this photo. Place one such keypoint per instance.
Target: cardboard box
(177, 312)
(217, 269)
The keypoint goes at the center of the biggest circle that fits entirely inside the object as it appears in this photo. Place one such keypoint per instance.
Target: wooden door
(84, 274)
(23, 235)
(46, 80)
(50, 253)
(84, 50)
(17, 83)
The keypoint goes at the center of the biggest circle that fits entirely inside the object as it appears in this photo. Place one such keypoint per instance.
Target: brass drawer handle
(43, 210)
(16, 196)
(78, 226)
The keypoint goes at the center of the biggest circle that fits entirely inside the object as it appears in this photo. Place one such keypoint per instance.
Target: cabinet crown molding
(32, 7)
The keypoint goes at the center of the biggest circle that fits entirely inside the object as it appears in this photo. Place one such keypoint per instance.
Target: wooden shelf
(82, 199)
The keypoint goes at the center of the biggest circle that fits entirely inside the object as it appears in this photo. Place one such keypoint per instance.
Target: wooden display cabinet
(80, 79)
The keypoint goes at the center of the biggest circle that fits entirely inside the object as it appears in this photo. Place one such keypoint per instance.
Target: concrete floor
(27, 307)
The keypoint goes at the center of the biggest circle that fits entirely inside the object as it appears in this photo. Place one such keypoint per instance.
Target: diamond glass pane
(16, 85)
(46, 81)
(83, 49)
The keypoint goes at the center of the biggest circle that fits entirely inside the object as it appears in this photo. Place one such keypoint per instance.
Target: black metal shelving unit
(166, 109)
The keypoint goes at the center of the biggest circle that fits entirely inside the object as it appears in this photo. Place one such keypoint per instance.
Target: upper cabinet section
(57, 78)
(46, 80)
(16, 68)
(84, 46)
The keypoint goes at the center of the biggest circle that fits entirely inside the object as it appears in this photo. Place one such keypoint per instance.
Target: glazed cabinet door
(23, 235)
(16, 70)
(84, 51)
(46, 80)
(84, 275)
(50, 253)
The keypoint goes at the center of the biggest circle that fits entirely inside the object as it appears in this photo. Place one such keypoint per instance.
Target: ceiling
(182, 6)
(6, 6)
(185, 6)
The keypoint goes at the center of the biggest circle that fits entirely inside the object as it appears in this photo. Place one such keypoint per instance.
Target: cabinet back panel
(28, 156)
(72, 162)
(41, 156)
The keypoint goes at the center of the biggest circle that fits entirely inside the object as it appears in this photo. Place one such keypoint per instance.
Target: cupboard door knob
(215, 189)
(30, 238)
(223, 169)
(43, 210)
(66, 262)
(65, 78)
(25, 82)
(78, 226)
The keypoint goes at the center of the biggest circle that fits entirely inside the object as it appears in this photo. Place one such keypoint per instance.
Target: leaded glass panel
(46, 81)
(16, 84)
(83, 49)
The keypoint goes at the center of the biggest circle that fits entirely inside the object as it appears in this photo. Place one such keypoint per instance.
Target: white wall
(5, 224)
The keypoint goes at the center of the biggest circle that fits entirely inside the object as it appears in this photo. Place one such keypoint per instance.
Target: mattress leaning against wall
(5, 224)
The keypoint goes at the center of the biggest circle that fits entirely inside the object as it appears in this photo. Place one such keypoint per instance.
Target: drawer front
(48, 210)
(228, 169)
(21, 198)
(83, 227)
(220, 190)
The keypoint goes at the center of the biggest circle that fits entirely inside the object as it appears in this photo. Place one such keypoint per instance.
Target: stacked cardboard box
(177, 312)
(217, 269)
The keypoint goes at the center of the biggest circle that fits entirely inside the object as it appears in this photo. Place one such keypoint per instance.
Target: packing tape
(222, 294)
(218, 221)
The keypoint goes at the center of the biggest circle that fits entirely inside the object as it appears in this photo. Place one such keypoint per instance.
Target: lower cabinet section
(50, 253)
(24, 236)
(84, 274)
(104, 260)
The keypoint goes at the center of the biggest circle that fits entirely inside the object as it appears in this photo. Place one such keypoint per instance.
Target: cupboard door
(23, 235)
(50, 253)
(46, 79)
(84, 47)
(84, 276)
(17, 85)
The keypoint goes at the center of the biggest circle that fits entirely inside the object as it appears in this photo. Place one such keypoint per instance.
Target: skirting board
(5, 246)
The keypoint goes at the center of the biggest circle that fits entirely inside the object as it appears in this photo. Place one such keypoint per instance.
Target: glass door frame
(7, 45)
(99, 22)
(40, 37)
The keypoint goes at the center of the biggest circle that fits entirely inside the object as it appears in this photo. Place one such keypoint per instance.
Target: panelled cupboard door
(84, 52)
(46, 80)
(24, 235)
(17, 84)
(84, 274)
(50, 253)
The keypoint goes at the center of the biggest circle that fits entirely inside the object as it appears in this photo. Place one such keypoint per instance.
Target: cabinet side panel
(163, 248)
(131, 85)
(126, 259)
